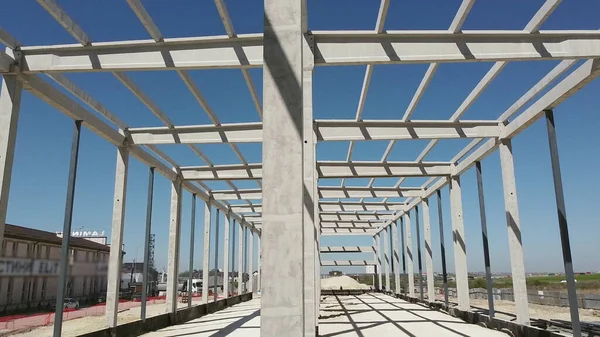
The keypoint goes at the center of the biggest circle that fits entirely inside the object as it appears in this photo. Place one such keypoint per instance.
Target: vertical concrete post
(64, 253)
(486, 249)
(284, 193)
(191, 265)
(376, 282)
(442, 246)
(409, 257)
(419, 261)
(396, 258)
(379, 262)
(206, 254)
(226, 224)
(513, 223)
(116, 237)
(240, 259)
(310, 198)
(10, 103)
(459, 244)
(251, 260)
(259, 253)
(147, 242)
(403, 250)
(216, 276)
(562, 223)
(233, 252)
(428, 250)
(386, 257)
(174, 244)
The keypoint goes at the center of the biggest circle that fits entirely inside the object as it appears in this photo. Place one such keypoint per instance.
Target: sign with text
(40, 267)
(85, 234)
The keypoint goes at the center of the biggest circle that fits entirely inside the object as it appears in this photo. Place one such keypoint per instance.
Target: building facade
(29, 268)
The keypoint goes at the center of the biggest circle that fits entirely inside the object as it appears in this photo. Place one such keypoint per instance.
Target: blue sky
(41, 162)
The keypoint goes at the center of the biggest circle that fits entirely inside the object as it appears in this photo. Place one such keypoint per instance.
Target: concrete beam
(344, 231)
(347, 249)
(410, 265)
(352, 130)
(368, 192)
(348, 263)
(174, 247)
(240, 194)
(335, 206)
(428, 250)
(460, 245)
(206, 253)
(342, 169)
(198, 134)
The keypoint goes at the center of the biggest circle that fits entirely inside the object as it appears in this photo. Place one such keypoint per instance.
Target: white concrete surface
(368, 315)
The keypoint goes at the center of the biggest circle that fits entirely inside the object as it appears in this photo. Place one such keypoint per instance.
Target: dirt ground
(88, 324)
(541, 311)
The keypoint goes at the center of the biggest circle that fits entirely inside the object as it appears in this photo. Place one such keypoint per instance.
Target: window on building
(15, 249)
(9, 290)
(24, 289)
(34, 289)
(84, 288)
(44, 284)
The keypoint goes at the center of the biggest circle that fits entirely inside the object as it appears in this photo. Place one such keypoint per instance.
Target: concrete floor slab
(368, 315)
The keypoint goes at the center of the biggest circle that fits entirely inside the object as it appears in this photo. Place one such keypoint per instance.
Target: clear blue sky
(41, 163)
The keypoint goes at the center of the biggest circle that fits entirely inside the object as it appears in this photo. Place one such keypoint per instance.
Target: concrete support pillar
(216, 276)
(64, 254)
(419, 260)
(116, 237)
(251, 260)
(232, 256)
(459, 244)
(310, 199)
(206, 255)
(284, 193)
(562, 224)
(191, 259)
(428, 251)
(240, 250)
(174, 244)
(515, 244)
(484, 236)
(386, 257)
(403, 250)
(259, 253)
(226, 224)
(10, 103)
(442, 247)
(145, 285)
(379, 262)
(396, 258)
(409, 256)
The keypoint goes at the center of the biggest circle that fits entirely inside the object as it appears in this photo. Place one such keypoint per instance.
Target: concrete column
(116, 238)
(562, 223)
(410, 265)
(191, 259)
(226, 224)
(376, 283)
(206, 255)
(174, 244)
(64, 254)
(386, 257)
(396, 258)
(10, 103)
(442, 246)
(251, 261)
(379, 262)
(515, 245)
(240, 259)
(486, 249)
(310, 198)
(284, 193)
(419, 260)
(428, 251)
(259, 252)
(459, 244)
(147, 242)
(216, 276)
(403, 250)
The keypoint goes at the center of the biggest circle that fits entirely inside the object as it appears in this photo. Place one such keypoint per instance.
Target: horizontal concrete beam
(348, 206)
(335, 216)
(352, 224)
(222, 172)
(332, 48)
(348, 263)
(241, 194)
(349, 231)
(198, 134)
(342, 169)
(368, 192)
(347, 249)
(346, 130)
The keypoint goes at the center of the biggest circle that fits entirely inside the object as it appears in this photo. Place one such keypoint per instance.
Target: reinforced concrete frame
(289, 253)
